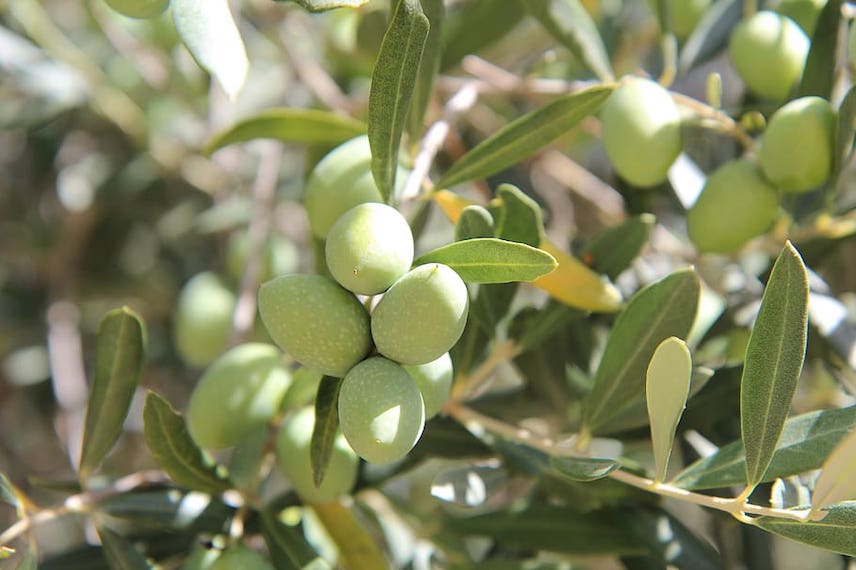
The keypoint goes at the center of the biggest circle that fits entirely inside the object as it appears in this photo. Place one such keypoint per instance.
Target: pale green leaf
(324, 5)
(837, 479)
(835, 532)
(667, 387)
(119, 352)
(583, 468)
(526, 135)
(491, 260)
(326, 424)
(393, 80)
(774, 359)
(210, 34)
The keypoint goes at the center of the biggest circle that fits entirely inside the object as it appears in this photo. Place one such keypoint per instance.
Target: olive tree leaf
(774, 359)
(518, 216)
(819, 73)
(474, 222)
(324, 5)
(9, 494)
(30, 560)
(357, 548)
(174, 450)
(613, 250)
(576, 285)
(526, 135)
(435, 11)
(491, 260)
(583, 468)
(570, 23)
(837, 479)
(711, 33)
(326, 424)
(169, 508)
(287, 546)
(290, 125)
(846, 132)
(120, 553)
(209, 32)
(663, 309)
(667, 387)
(119, 352)
(834, 532)
(393, 80)
(471, 26)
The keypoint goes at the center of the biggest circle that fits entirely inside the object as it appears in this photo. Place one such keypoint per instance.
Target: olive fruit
(239, 393)
(368, 248)
(421, 316)
(641, 131)
(736, 204)
(279, 256)
(138, 8)
(769, 50)
(434, 381)
(684, 14)
(293, 445)
(798, 144)
(380, 410)
(240, 556)
(316, 321)
(203, 319)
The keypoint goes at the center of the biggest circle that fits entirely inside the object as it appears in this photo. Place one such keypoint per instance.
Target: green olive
(293, 446)
(434, 380)
(684, 14)
(798, 145)
(240, 557)
(421, 316)
(769, 50)
(138, 8)
(736, 204)
(369, 248)
(316, 321)
(641, 131)
(380, 410)
(239, 393)
(203, 320)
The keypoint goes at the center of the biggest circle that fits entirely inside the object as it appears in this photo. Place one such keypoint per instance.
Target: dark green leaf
(526, 135)
(288, 549)
(518, 216)
(805, 443)
(711, 33)
(774, 359)
(835, 532)
(168, 508)
(470, 348)
(474, 222)
(290, 125)
(121, 554)
(551, 528)
(324, 5)
(491, 304)
(532, 327)
(613, 250)
(119, 352)
(469, 486)
(435, 11)
(570, 23)
(663, 309)
(846, 132)
(583, 468)
(175, 451)
(491, 260)
(819, 73)
(326, 424)
(393, 80)
(672, 544)
(470, 26)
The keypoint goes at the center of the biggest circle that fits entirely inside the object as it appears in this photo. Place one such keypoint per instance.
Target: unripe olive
(293, 453)
(641, 131)
(769, 50)
(239, 393)
(279, 256)
(203, 319)
(138, 8)
(803, 12)
(434, 380)
(736, 204)
(798, 144)
(316, 321)
(243, 558)
(368, 248)
(421, 316)
(380, 410)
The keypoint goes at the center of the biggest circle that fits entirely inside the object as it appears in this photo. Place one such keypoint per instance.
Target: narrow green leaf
(168, 508)
(667, 386)
(324, 5)
(518, 216)
(711, 33)
(613, 250)
(837, 480)
(393, 79)
(175, 451)
(290, 125)
(583, 468)
(846, 132)
(663, 309)
(8, 492)
(435, 11)
(474, 222)
(30, 561)
(288, 549)
(806, 442)
(819, 73)
(209, 32)
(491, 260)
(570, 23)
(119, 351)
(471, 26)
(121, 554)
(326, 424)
(774, 359)
(526, 135)
(835, 532)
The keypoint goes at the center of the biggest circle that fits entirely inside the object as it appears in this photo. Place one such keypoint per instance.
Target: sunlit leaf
(576, 285)
(837, 479)
(357, 549)
(583, 468)
(517, 216)
(667, 386)
(474, 222)
(834, 532)
(491, 260)
(326, 424)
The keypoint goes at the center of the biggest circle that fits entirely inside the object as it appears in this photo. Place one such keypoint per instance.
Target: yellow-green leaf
(667, 386)
(576, 285)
